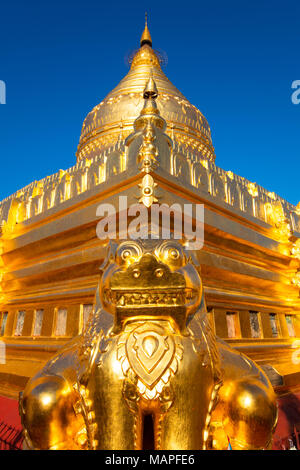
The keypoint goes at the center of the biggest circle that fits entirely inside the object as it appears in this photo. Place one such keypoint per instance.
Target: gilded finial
(146, 36)
(150, 94)
(150, 90)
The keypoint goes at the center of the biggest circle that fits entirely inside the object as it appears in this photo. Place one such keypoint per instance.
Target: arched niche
(217, 188)
(113, 164)
(181, 168)
(247, 201)
(200, 177)
(233, 193)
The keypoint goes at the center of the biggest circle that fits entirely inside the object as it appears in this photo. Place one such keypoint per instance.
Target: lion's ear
(111, 249)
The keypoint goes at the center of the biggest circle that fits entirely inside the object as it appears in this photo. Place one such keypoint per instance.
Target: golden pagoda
(50, 253)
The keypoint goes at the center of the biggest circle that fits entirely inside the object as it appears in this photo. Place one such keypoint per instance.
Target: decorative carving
(200, 176)
(181, 168)
(275, 216)
(232, 193)
(148, 146)
(113, 166)
(148, 186)
(148, 152)
(252, 188)
(152, 353)
(247, 201)
(218, 186)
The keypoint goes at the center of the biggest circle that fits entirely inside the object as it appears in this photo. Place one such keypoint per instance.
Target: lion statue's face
(150, 279)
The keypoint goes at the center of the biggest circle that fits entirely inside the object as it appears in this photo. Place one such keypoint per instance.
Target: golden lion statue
(148, 370)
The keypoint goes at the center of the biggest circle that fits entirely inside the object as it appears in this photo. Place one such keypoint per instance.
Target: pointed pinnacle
(146, 36)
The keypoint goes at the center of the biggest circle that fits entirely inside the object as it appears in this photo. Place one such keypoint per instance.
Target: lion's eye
(128, 253)
(125, 254)
(171, 253)
(174, 253)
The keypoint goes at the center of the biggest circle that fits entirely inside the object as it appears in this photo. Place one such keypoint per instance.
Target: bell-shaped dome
(113, 118)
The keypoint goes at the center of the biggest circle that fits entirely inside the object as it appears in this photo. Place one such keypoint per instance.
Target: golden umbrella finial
(146, 36)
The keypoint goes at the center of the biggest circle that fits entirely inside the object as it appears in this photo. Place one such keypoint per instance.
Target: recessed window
(38, 322)
(61, 322)
(86, 311)
(290, 325)
(232, 324)
(3, 323)
(274, 325)
(20, 323)
(255, 324)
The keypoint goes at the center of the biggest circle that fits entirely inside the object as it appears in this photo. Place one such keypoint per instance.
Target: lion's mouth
(158, 298)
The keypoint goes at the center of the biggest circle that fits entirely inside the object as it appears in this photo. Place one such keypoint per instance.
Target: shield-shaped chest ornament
(150, 349)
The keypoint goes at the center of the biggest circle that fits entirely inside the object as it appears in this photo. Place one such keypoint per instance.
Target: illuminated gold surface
(123, 104)
(149, 349)
(50, 254)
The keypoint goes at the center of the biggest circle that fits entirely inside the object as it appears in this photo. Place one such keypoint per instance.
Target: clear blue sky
(234, 60)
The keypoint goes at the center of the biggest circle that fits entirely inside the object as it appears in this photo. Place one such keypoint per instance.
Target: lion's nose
(159, 272)
(148, 264)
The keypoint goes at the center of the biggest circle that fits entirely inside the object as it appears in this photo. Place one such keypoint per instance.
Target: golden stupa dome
(113, 118)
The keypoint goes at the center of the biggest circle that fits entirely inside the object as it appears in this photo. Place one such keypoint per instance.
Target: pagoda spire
(146, 36)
